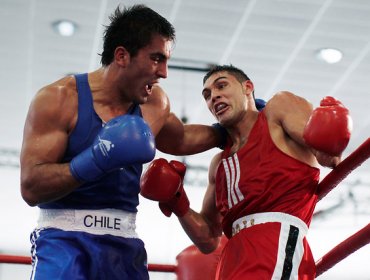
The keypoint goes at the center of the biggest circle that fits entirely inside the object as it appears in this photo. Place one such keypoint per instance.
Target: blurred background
(313, 48)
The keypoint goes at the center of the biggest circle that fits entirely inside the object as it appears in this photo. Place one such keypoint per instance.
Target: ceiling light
(64, 27)
(330, 55)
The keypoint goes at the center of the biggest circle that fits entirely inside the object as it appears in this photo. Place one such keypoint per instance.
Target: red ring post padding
(343, 249)
(192, 264)
(341, 171)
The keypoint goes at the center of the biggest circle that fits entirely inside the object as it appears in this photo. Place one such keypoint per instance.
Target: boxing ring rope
(343, 249)
(335, 255)
(358, 239)
(162, 267)
(15, 259)
(341, 171)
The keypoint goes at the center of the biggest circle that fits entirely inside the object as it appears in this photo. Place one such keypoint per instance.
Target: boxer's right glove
(124, 140)
(162, 181)
(329, 127)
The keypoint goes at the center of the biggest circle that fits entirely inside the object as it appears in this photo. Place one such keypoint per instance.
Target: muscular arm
(177, 138)
(43, 177)
(291, 113)
(204, 228)
(172, 135)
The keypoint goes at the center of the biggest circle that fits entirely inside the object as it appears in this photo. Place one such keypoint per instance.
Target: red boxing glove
(163, 181)
(179, 204)
(329, 128)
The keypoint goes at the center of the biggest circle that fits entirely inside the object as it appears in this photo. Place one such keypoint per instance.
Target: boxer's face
(225, 97)
(146, 68)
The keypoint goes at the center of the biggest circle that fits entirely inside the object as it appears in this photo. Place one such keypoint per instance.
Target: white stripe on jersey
(227, 173)
(238, 192)
(232, 175)
(232, 172)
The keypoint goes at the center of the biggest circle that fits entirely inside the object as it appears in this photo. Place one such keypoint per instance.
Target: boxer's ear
(122, 56)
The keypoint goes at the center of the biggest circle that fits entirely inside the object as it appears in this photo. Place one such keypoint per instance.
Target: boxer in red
(262, 187)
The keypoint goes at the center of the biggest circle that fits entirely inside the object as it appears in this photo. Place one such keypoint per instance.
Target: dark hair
(133, 28)
(232, 70)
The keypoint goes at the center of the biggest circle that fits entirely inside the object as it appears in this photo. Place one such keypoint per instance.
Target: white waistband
(102, 221)
(268, 217)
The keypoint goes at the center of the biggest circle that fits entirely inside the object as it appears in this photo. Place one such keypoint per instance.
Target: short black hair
(232, 70)
(133, 28)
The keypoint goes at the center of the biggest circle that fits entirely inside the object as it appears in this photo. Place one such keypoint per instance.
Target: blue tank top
(118, 189)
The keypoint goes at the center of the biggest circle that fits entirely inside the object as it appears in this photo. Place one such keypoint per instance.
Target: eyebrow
(215, 81)
(160, 55)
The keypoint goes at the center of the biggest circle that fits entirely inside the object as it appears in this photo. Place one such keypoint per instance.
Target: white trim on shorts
(102, 221)
(268, 217)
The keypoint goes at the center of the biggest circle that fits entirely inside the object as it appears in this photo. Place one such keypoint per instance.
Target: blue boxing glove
(260, 104)
(124, 140)
(223, 135)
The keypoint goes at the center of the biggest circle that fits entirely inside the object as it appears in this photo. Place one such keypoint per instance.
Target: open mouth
(148, 88)
(220, 108)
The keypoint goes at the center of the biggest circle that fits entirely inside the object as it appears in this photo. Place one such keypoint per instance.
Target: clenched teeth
(219, 107)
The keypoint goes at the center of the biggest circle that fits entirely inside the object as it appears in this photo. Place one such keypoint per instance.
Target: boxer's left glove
(329, 127)
(124, 140)
(162, 181)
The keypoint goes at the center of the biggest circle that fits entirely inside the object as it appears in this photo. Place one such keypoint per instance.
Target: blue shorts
(58, 254)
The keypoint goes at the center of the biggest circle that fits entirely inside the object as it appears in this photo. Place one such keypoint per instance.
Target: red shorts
(270, 250)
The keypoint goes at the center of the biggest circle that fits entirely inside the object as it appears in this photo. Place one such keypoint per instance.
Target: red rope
(15, 259)
(161, 267)
(360, 238)
(343, 249)
(341, 171)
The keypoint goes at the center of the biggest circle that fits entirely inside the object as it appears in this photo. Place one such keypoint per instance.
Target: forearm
(200, 138)
(46, 182)
(203, 235)
(162, 181)
(193, 139)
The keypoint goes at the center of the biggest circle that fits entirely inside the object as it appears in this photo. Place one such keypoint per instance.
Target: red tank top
(261, 178)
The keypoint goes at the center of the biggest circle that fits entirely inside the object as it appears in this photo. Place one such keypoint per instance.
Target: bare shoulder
(287, 115)
(51, 117)
(64, 88)
(285, 103)
(157, 109)
(56, 102)
(215, 162)
(286, 99)
(216, 159)
(158, 99)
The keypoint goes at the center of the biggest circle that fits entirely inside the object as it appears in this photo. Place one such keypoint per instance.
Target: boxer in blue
(85, 140)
